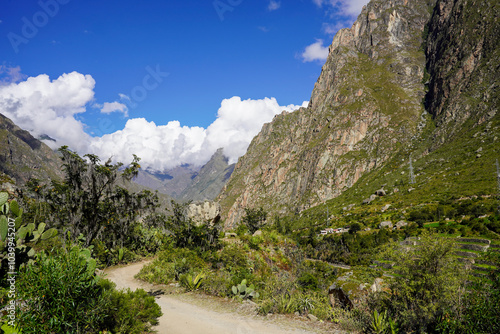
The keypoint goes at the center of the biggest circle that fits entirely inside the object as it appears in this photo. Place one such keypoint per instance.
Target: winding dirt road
(184, 317)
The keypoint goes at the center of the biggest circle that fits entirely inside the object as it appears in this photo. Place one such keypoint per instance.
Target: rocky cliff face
(366, 104)
(23, 157)
(463, 59)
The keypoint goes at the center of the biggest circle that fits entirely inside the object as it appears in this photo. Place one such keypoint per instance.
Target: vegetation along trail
(181, 317)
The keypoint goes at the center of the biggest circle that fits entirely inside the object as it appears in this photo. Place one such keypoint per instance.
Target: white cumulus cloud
(109, 107)
(315, 52)
(165, 146)
(42, 106)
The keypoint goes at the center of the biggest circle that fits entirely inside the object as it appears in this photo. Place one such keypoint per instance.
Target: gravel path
(183, 317)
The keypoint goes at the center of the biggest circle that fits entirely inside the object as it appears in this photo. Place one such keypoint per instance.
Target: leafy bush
(217, 283)
(129, 311)
(429, 282)
(242, 291)
(89, 202)
(255, 241)
(170, 264)
(187, 234)
(308, 281)
(61, 295)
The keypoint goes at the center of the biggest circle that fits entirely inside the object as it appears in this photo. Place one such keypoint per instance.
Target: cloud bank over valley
(53, 108)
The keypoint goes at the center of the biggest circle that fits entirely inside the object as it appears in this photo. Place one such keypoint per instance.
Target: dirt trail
(182, 317)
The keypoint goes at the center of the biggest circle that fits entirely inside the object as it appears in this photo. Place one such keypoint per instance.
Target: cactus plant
(242, 291)
(20, 234)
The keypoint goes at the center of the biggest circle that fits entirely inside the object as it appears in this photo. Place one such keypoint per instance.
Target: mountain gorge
(190, 183)
(409, 78)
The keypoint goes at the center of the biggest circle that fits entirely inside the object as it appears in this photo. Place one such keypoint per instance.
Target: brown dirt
(193, 313)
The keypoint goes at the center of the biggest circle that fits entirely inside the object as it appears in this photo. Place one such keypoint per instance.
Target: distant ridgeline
(412, 78)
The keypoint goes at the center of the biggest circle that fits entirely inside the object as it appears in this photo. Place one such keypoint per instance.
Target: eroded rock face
(203, 212)
(366, 102)
(463, 59)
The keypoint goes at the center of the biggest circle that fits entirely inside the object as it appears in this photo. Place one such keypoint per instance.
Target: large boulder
(401, 224)
(349, 291)
(369, 199)
(386, 224)
(204, 212)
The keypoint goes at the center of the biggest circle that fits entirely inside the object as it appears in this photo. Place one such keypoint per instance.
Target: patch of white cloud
(315, 52)
(10, 75)
(345, 7)
(273, 5)
(109, 107)
(124, 97)
(332, 28)
(53, 108)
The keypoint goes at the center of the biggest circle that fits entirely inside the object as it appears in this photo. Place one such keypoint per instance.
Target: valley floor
(195, 313)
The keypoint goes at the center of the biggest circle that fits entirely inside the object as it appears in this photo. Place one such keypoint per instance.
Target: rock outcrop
(203, 212)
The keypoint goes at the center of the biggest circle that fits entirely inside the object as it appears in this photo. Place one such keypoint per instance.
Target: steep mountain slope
(366, 115)
(210, 179)
(22, 156)
(365, 105)
(191, 183)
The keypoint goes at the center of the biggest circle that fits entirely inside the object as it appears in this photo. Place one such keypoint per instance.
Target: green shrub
(244, 291)
(217, 283)
(430, 281)
(308, 281)
(233, 258)
(61, 295)
(129, 311)
(171, 264)
(255, 241)
(190, 282)
(254, 219)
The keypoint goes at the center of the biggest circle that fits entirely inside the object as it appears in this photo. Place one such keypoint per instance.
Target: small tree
(254, 219)
(188, 234)
(89, 201)
(429, 282)
(355, 227)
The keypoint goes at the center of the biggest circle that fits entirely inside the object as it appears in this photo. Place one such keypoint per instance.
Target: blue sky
(162, 61)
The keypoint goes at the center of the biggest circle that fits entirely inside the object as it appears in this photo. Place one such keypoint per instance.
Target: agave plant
(192, 283)
(242, 291)
(382, 324)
